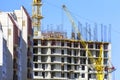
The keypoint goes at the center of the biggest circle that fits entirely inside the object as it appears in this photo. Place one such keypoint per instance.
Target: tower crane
(36, 16)
(97, 63)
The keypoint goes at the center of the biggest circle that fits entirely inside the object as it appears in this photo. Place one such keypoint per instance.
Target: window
(43, 51)
(62, 59)
(69, 44)
(90, 45)
(82, 53)
(105, 76)
(62, 43)
(105, 54)
(62, 52)
(76, 67)
(35, 42)
(53, 43)
(89, 75)
(53, 50)
(43, 66)
(36, 73)
(105, 46)
(68, 75)
(35, 50)
(97, 46)
(97, 53)
(52, 59)
(52, 74)
(76, 75)
(75, 44)
(36, 65)
(68, 51)
(82, 61)
(43, 43)
(62, 74)
(83, 75)
(62, 67)
(81, 46)
(43, 74)
(35, 58)
(105, 61)
(52, 67)
(83, 68)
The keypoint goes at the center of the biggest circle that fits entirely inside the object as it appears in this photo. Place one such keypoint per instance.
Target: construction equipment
(36, 16)
(97, 63)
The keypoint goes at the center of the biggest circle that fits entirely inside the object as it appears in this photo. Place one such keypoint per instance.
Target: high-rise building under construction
(56, 57)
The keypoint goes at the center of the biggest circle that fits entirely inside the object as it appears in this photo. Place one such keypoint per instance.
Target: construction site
(37, 54)
(58, 57)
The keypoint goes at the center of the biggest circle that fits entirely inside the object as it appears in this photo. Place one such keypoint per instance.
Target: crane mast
(36, 17)
(97, 63)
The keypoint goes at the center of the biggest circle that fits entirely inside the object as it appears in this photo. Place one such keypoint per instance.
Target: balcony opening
(35, 50)
(62, 67)
(52, 74)
(82, 75)
(90, 45)
(62, 59)
(36, 73)
(43, 58)
(69, 59)
(81, 46)
(97, 46)
(62, 74)
(53, 51)
(53, 59)
(62, 43)
(75, 44)
(35, 42)
(52, 67)
(69, 44)
(43, 74)
(83, 67)
(105, 46)
(82, 61)
(68, 67)
(53, 43)
(82, 53)
(68, 51)
(62, 51)
(36, 65)
(35, 58)
(44, 42)
(43, 51)
(43, 66)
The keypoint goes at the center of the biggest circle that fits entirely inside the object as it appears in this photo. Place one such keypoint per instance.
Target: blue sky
(91, 11)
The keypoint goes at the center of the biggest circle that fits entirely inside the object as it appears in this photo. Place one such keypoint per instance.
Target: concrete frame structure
(66, 59)
(17, 31)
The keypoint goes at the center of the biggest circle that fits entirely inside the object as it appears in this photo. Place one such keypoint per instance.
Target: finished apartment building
(16, 45)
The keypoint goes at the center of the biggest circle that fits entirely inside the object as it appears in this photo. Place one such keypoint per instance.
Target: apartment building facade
(66, 59)
(17, 31)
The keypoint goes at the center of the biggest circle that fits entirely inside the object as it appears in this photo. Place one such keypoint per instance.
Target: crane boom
(71, 20)
(97, 63)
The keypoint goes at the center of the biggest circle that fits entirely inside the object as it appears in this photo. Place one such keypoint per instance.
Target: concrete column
(39, 43)
(48, 75)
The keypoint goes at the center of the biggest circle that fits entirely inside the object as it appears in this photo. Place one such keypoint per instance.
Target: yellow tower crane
(97, 63)
(36, 16)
